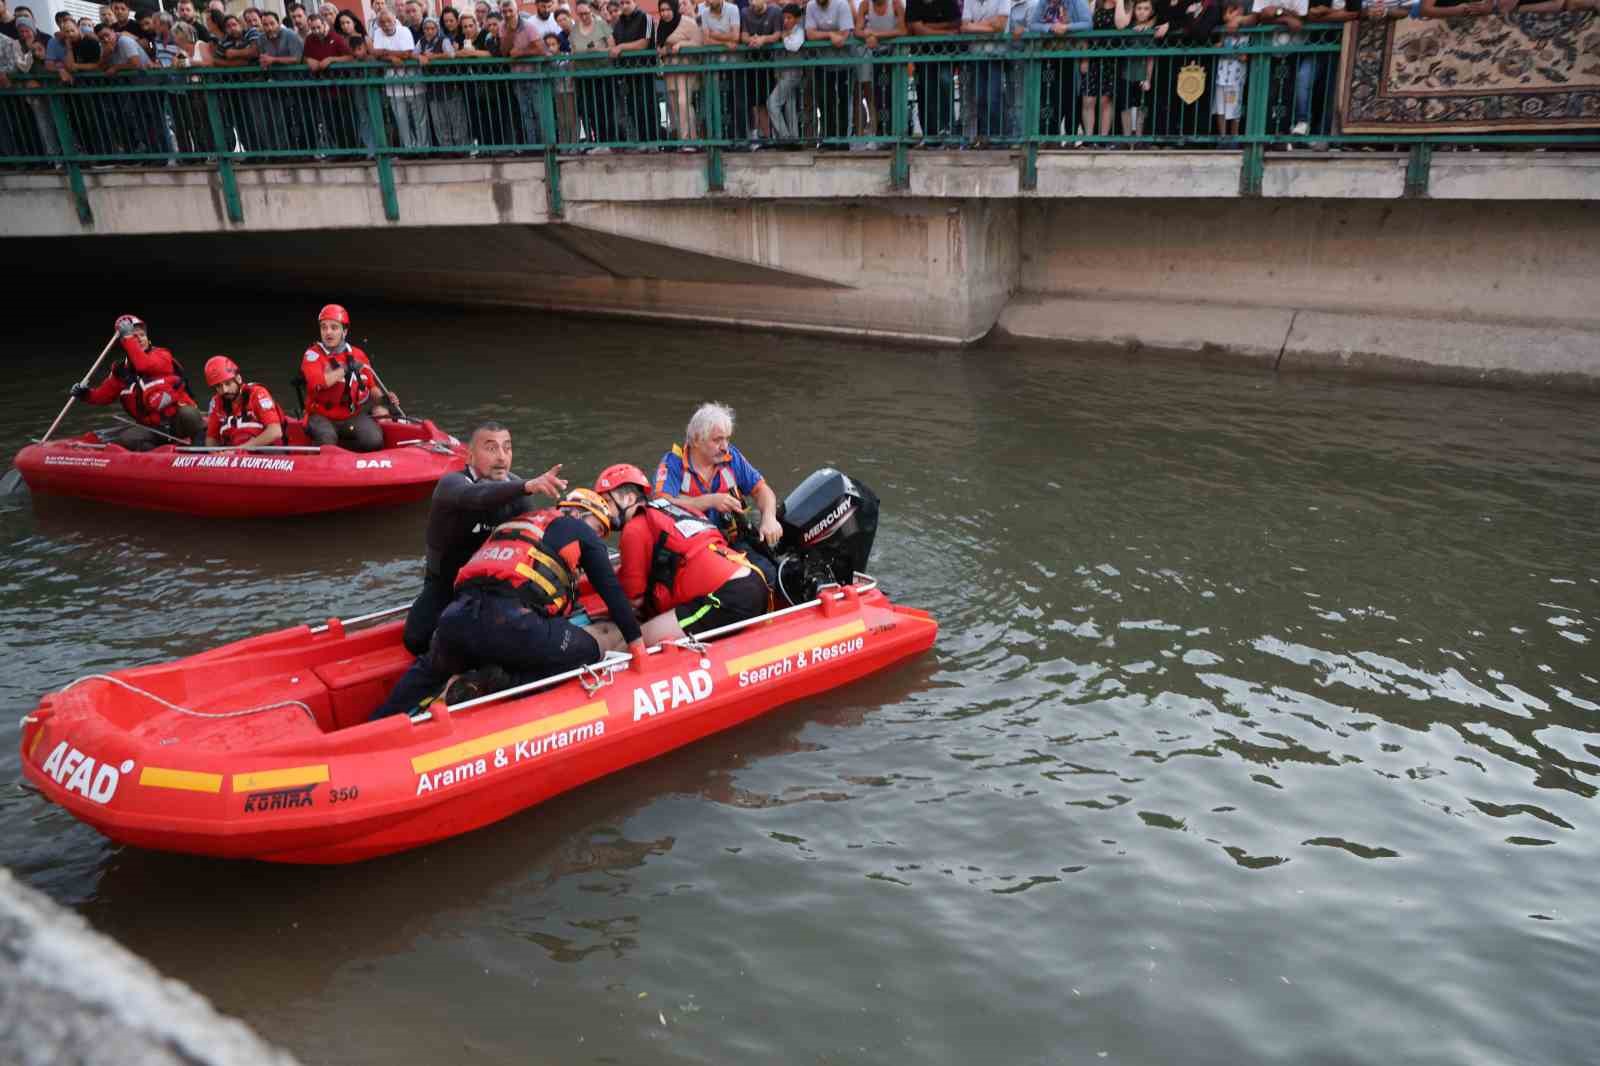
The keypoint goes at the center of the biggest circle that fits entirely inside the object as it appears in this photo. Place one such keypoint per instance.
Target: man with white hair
(708, 474)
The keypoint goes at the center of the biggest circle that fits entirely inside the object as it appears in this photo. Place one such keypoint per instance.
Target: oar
(85, 383)
(158, 432)
(13, 478)
(382, 386)
(385, 389)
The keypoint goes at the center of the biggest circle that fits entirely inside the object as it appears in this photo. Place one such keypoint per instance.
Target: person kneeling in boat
(676, 565)
(152, 387)
(242, 413)
(344, 398)
(466, 505)
(706, 473)
(508, 624)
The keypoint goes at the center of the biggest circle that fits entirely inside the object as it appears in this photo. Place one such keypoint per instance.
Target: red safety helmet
(619, 474)
(334, 313)
(220, 368)
(590, 502)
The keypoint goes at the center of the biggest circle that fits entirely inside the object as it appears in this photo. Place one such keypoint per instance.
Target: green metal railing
(1101, 89)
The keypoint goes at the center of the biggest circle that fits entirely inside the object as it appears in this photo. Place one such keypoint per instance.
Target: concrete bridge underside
(1490, 274)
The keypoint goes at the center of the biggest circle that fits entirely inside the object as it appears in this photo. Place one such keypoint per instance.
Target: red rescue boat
(261, 749)
(298, 478)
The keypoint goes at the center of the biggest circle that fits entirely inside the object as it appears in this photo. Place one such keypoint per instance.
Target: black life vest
(515, 557)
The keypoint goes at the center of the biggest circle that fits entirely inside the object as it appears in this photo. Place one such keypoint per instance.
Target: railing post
(224, 149)
(712, 95)
(900, 116)
(69, 152)
(549, 135)
(1032, 87)
(380, 153)
(1253, 166)
(1418, 165)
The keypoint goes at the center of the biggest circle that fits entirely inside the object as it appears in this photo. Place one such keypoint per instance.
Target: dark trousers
(834, 90)
(935, 98)
(637, 96)
(597, 108)
(359, 433)
(423, 617)
(986, 82)
(484, 627)
(187, 422)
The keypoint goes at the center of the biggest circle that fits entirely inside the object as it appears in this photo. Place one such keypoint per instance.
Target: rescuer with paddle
(152, 388)
(242, 414)
(466, 505)
(509, 623)
(344, 395)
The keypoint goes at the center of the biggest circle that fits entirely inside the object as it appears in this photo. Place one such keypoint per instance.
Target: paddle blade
(11, 484)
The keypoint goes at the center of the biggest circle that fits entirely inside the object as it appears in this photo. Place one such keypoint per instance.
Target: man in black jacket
(466, 505)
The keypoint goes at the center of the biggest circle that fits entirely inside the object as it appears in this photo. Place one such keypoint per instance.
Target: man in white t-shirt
(544, 19)
(834, 87)
(720, 24)
(986, 119)
(392, 43)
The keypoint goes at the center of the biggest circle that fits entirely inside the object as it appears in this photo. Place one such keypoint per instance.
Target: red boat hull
(316, 783)
(228, 484)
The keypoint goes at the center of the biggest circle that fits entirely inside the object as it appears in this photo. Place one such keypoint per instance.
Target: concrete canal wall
(71, 997)
(1484, 274)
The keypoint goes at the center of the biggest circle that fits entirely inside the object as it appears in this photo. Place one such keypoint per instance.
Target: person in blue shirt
(708, 474)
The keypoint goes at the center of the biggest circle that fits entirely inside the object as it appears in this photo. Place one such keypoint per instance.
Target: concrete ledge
(71, 997)
(1097, 174)
(1297, 339)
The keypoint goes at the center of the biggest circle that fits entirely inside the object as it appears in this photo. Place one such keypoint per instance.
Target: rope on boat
(169, 705)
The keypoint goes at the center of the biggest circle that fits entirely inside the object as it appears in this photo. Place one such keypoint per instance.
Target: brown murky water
(1264, 723)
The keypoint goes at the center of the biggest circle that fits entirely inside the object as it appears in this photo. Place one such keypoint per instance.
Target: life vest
(236, 423)
(516, 557)
(682, 537)
(151, 399)
(341, 401)
(721, 481)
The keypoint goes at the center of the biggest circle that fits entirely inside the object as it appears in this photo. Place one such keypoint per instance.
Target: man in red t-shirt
(242, 413)
(324, 48)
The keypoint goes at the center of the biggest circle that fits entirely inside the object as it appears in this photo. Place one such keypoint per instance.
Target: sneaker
(475, 683)
(1300, 129)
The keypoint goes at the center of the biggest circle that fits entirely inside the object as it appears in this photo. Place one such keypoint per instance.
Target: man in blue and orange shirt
(706, 473)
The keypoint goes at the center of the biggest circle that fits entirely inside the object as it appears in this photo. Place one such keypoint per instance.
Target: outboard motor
(828, 525)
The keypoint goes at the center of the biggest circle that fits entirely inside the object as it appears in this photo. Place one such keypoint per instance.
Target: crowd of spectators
(964, 102)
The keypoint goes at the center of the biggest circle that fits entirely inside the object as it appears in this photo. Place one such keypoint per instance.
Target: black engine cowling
(829, 522)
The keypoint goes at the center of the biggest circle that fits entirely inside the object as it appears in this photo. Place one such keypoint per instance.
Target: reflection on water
(1262, 725)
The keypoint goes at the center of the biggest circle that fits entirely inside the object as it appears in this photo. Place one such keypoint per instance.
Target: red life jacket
(338, 402)
(515, 557)
(691, 557)
(151, 397)
(235, 423)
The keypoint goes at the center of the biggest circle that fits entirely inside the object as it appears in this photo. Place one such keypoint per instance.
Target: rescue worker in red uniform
(152, 388)
(343, 397)
(509, 622)
(676, 565)
(242, 413)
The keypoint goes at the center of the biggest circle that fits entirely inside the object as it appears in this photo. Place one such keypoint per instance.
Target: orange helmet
(220, 368)
(334, 313)
(620, 474)
(591, 503)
